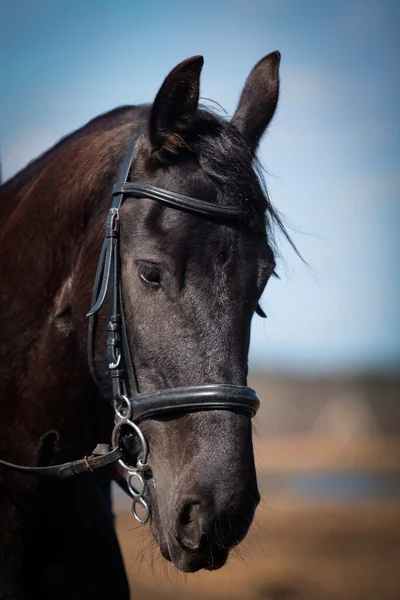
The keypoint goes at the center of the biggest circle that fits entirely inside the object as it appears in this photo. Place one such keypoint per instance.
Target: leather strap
(92, 317)
(194, 398)
(126, 351)
(175, 200)
(97, 460)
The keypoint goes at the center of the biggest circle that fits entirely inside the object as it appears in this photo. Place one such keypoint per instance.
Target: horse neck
(43, 236)
(16, 189)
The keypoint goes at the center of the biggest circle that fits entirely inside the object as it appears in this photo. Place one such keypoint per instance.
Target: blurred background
(326, 362)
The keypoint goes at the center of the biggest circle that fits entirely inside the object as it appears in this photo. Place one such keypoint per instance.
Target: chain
(134, 478)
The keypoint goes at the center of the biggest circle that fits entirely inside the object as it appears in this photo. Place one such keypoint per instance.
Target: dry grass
(293, 552)
(316, 453)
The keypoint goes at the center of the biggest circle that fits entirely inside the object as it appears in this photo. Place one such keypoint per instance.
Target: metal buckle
(116, 358)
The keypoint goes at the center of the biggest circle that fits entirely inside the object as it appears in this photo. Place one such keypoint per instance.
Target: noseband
(130, 405)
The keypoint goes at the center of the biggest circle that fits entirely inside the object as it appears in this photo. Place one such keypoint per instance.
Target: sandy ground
(294, 552)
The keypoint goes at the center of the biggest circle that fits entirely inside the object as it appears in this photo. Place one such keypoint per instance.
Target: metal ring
(118, 406)
(141, 465)
(115, 442)
(136, 494)
(144, 504)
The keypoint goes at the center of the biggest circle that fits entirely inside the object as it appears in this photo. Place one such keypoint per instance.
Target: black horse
(190, 287)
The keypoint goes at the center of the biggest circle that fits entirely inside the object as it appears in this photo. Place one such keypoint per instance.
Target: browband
(175, 200)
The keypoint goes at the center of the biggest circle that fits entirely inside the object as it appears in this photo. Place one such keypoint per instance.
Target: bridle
(130, 406)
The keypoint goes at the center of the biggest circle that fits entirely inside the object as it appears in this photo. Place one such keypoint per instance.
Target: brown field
(293, 552)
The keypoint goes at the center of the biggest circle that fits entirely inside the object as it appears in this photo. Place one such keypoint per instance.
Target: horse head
(190, 287)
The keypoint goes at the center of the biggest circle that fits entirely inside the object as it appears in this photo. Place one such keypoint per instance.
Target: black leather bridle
(131, 407)
(108, 280)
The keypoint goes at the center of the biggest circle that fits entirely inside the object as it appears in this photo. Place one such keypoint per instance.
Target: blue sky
(332, 151)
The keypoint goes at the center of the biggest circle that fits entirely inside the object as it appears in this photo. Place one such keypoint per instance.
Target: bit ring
(144, 504)
(137, 494)
(124, 405)
(142, 461)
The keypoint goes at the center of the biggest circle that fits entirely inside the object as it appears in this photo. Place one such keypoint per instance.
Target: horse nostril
(190, 525)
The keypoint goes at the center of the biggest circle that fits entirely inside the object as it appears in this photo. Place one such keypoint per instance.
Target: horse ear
(259, 98)
(175, 106)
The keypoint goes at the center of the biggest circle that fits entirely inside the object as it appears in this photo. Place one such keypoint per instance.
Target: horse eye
(150, 275)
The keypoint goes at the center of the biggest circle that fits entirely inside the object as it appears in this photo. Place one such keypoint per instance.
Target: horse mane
(229, 161)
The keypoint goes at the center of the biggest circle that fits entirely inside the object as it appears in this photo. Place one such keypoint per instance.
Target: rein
(130, 406)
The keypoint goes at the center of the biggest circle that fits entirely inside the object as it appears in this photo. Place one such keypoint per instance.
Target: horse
(194, 254)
